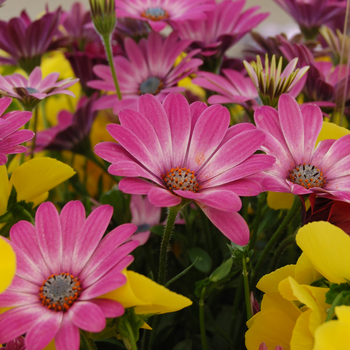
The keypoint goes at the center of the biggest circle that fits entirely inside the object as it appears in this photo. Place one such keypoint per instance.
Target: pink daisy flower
(147, 68)
(10, 136)
(29, 92)
(62, 269)
(234, 87)
(158, 13)
(187, 152)
(224, 26)
(16, 344)
(301, 168)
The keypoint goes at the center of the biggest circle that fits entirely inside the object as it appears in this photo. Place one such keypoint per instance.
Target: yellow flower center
(155, 13)
(307, 175)
(181, 179)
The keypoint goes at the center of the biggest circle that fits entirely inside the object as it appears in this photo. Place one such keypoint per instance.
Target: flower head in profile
(312, 14)
(233, 87)
(187, 152)
(142, 71)
(157, 13)
(300, 168)
(271, 83)
(29, 92)
(10, 136)
(226, 24)
(26, 41)
(63, 268)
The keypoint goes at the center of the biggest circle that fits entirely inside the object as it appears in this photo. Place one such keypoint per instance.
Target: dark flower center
(155, 13)
(32, 90)
(143, 228)
(60, 291)
(307, 175)
(151, 85)
(180, 179)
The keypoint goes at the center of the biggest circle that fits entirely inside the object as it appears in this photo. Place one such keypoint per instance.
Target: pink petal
(49, 236)
(87, 316)
(110, 308)
(89, 236)
(161, 197)
(196, 108)
(244, 187)
(232, 225)
(43, 331)
(67, 337)
(135, 186)
(208, 132)
(72, 218)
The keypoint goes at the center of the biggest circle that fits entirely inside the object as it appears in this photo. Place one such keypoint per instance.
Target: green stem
(35, 132)
(282, 247)
(131, 335)
(202, 320)
(108, 47)
(255, 224)
(275, 238)
(173, 211)
(334, 304)
(246, 289)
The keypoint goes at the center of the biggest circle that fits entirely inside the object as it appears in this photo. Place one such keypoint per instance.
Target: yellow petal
(334, 335)
(331, 131)
(305, 273)
(147, 296)
(302, 338)
(35, 178)
(7, 265)
(269, 283)
(327, 247)
(4, 189)
(279, 200)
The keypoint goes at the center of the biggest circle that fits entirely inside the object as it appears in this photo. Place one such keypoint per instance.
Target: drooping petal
(135, 186)
(161, 197)
(109, 307)
(67, 337)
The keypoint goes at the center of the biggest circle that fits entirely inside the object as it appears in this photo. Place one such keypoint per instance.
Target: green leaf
(203, 262)
(222, 271)
(180, 274)
(335, 290)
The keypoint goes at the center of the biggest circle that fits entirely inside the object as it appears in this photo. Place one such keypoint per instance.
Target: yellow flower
(33, 180)
(7, 265)
(147, 296)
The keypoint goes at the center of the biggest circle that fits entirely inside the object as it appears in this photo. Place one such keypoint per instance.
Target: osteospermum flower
(271, 83)
(143, 71)
(10, 136)
(312, 14)
(62, 269)
(29, 92)
(187, 152)
(26, 41)
(291, 135)
(233, 88)
(225, 25)
(158, 13)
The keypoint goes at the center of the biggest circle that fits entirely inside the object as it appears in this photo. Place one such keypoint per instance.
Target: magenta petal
(23, 234)
(22, 317)
(14, 299)
(67, 337)
(244, 187)
(208, 132)
(48, 231)
(161, 197)
(72, 219)
(216, 198)
(43, 331)
(157, 26)
(292, 126)
(110, 308)
(232, 225)
(135, 186)
(196, 108)
(90, 235)
(87, 316)
(178, 111)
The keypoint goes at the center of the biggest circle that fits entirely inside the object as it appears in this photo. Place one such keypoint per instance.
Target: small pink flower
(10, 136)
(291, 135)
(29, 92)
(63, 268)
(15, 344)
(148, 68)
(187, 152)
(158, 13)
(264, 347)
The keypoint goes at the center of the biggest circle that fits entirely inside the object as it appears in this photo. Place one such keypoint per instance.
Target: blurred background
(272, 25)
